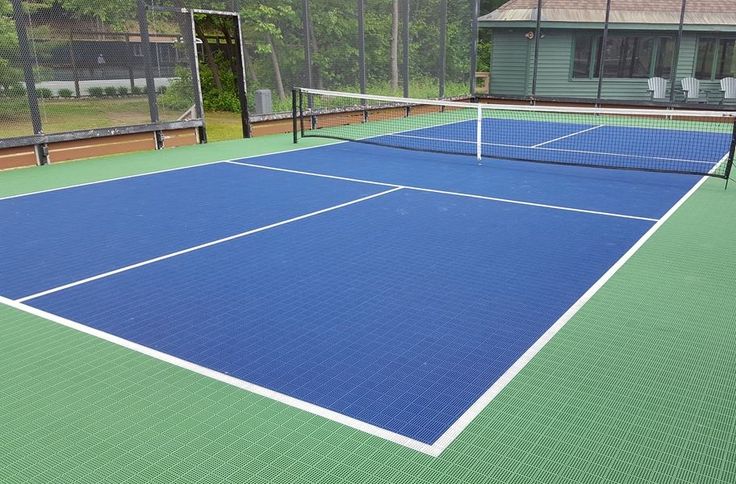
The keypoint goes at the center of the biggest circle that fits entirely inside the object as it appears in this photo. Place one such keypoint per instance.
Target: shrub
(161, 90)
(16, 90)
(122, 91)
(180, 94)
(65, 93)
(96, 91)
(111, 91)
(136, 91)
(44, 92)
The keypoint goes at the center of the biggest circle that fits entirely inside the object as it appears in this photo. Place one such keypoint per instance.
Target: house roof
(698, 12)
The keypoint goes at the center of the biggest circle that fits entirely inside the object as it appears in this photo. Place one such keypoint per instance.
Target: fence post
(676, 53)
(361, 45)
(242, 86)
(537, 35)
(191, 41)
(474, 46)
(405, 48)
(27, 59)
(306, 23)
(146, 51)
(601, 51)
(442, 68)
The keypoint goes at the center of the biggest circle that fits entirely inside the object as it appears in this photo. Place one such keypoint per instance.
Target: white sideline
(203, 246)
(445, 192)
(567, 136)
(138, 175)
(461, 423)
(230, 380)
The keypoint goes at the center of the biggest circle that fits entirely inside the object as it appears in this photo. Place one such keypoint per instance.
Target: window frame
(596, 39)
(719, 40)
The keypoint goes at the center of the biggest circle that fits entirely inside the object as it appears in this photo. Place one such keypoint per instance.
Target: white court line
(564, 150)
(461, 423)
(203, 246)
(567, 136)
(167, 170)
(228, 379)
(445, 192)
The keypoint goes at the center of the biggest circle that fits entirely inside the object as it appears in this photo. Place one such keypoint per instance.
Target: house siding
(509, 63)
(509, 77)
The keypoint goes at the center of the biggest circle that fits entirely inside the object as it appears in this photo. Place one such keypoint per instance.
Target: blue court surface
(395, 290)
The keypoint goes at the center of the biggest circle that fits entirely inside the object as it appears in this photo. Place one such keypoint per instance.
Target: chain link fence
(83, 66)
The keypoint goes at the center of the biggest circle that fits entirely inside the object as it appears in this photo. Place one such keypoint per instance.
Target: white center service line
(567, 136)
(445, 192)
(205, 245)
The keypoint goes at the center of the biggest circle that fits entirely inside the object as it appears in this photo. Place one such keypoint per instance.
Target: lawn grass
(60, 115)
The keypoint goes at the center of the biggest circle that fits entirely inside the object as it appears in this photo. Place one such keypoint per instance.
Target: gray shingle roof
(700, 12)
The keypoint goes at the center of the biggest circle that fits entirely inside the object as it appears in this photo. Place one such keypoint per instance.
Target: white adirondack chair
(728, 87)
(691, 86)
(657, 88)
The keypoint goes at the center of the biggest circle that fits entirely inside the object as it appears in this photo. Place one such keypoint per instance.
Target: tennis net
(677, 141)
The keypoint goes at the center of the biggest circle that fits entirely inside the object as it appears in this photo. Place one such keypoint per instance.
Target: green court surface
(640, 386)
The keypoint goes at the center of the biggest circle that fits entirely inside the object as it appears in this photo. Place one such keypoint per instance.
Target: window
(726, 66)
(716, 59)
(137, 52)
(583, 51)
(624, 56)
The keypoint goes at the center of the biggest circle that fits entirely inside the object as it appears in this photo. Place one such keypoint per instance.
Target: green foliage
(44, 93)
(111, 91)
(65, 93)
(484, 55)
(136, 91)
(213, 98)
(180, 93)
(96, 91)
(122, 91)
(9, 75)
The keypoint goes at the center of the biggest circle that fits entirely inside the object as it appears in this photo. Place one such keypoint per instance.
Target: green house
(641, 43)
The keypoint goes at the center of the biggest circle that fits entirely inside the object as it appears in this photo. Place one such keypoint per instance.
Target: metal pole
(191, 40)
(146, 51)
(602, 49)
(676, 53)
(405, 48)
(361, 45)
(442, 68)
(306, 23)
(75, 74)
(242, 87)
(27, 59)
(474, 46)
(294, 127)
(537, 35)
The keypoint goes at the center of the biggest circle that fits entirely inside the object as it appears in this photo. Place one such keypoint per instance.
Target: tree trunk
(315, 53)
(395, 47)
(276, 69)
(249, 66)
(209, 57)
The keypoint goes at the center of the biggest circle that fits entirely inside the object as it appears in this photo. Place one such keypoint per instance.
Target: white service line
(567, 136)
(228, 379)
(445, 192)
(205, 245)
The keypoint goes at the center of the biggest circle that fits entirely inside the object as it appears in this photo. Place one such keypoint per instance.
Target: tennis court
(392, 291)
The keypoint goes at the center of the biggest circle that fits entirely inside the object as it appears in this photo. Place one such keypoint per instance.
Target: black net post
(731, 153)
(361, 45)
(601, 52)
(146, 51)
(676, 53)
(405, 47)
(442, 67)
(537, 35)
(27, 60)
(474, 46)
(294, 108)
